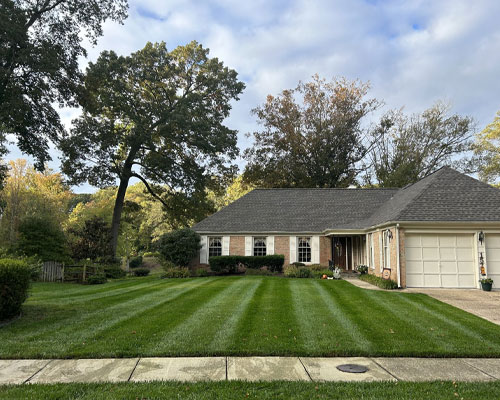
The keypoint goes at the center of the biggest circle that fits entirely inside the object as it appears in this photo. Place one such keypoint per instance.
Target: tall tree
(487, 150)
(412, 147)
(40, 45)
(312, 136)
(156, 116)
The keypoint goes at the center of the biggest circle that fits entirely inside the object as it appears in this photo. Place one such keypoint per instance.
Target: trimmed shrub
(135, 262)
(14, 285)
(201, 272)
(261, 271)
(97, 279)
(180, 247)
(154, 254)
(319, 274)
(230, 264)
(113, 272)
(177, 272)
(380, 282)
(141, 272)
(298, 264)
(316, 267)
(291, 271)
(304, 272)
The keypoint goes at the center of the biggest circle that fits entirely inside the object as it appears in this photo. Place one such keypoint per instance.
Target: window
(386, 250)
(371, 254)
(259, 246)
(304, 249)
(214, 246)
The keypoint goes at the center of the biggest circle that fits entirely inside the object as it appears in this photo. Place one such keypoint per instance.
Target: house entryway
(348, 251)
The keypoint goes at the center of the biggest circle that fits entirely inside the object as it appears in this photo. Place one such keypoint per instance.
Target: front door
(339, 252)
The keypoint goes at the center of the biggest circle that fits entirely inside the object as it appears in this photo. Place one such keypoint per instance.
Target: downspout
(397, 255)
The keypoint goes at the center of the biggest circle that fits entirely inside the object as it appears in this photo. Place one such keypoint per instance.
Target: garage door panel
(432, 280)
(493, 258)
(447, 254)
(464, 254)
(413, 253)
(415, 267)
(447, 241)
(430, 253)
(429, 241)
(449, 267)
(493, 255)
(441, 260)
(449, 281)
(431, 267)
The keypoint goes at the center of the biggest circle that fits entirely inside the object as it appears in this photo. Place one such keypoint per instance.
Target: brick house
(443, 231)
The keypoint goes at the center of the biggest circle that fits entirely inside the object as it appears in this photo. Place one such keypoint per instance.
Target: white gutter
(397, 256)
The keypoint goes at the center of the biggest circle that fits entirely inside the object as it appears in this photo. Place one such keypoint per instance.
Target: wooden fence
(52, 272)
(56, 272)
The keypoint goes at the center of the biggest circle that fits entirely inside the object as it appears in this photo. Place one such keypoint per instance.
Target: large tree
(487, 150)
(156, 116)
(40, 46)
(311, 136)
(412, 147)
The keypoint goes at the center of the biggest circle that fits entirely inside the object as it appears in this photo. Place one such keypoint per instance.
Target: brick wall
(282, 246)
(392, 254)
(237, 246)
(325, 250)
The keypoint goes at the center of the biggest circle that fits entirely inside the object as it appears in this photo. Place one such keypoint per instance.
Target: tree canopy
(412, 147)
(40, 45)
(311, 136)
(487, 149)
(156, 116)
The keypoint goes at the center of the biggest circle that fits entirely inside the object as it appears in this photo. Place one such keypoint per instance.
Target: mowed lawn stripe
(206, 321)
(322, 323)
(269, 326)
(68, 335)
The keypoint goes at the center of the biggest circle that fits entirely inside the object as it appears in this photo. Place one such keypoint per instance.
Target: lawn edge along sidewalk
(193, 369)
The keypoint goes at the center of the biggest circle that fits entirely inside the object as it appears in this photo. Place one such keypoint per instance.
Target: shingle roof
(445, 195)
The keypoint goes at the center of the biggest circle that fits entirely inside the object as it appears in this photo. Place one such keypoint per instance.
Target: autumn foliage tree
(311, 136)
(156, 116)
(487, 150)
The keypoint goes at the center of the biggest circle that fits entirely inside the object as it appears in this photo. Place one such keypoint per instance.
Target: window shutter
(248, 245)
(315, 250)
(270, 245)
(293, 249)
(225, 245)
(203, 250)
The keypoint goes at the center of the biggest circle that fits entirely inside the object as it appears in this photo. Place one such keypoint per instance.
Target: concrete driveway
(483, 304)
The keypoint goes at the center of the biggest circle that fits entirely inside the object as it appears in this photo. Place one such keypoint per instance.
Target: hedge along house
(443, 231)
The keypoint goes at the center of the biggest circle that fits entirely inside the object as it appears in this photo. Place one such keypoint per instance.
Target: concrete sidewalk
(246, 368)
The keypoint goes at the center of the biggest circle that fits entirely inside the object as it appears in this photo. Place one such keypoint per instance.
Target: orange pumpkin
(324, 276)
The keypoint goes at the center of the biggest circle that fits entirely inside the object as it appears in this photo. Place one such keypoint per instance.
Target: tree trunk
(117, 211)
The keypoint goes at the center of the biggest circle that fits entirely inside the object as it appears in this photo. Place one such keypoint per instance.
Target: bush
(14, 284)
(304, 272)
(180, 247)
(141, 272)
(114, 272)
(92, 240)
(291, 271)
(261, 271)
(201, 272)
(96, 279)
(40, 237)
(377, 281)
(362, 269)
(298, 264)
(316, 267)
(319, 274)
(135, 262)
(177, 272)
(230, 264)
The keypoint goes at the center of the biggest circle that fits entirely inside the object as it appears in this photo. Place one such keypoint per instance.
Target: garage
(441, 260)
(493, 258)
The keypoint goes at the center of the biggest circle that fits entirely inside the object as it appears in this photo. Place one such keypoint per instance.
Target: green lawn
(239, 315)
(243, 390)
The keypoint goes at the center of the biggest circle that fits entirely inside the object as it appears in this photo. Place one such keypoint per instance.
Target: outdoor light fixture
(389, 234)
(480, 236)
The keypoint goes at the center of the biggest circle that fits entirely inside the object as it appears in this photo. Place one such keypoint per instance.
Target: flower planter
(486, 286)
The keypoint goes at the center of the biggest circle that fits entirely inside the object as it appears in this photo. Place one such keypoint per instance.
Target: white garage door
(440, 260)
(493, 258)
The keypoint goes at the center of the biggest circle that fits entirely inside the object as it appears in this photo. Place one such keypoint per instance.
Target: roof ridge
(391, 188)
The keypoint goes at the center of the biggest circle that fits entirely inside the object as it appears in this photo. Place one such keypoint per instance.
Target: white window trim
(371, 251)
(221, 244)
(310, 247)
(253, 243)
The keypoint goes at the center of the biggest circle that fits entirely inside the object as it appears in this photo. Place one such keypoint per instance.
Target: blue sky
(414, 53)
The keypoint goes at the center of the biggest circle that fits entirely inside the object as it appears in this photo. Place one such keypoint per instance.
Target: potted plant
(486, 284)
